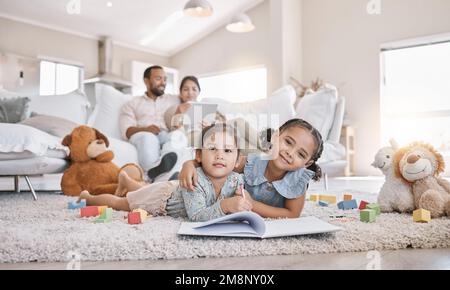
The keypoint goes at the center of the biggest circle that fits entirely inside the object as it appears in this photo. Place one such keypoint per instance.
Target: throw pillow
(319, 109)
(261, 114)
(14, 110)
(105, 117)
(55, 126)
(72, 106)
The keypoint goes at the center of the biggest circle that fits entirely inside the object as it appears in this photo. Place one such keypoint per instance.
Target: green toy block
(106, 216)
(375, 207)
(367, 215)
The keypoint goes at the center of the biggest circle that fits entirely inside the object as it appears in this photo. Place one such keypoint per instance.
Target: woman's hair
(192, 79)
(317, 138)
(221, 128)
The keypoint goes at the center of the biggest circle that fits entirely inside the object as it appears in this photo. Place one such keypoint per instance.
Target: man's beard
(157, 92)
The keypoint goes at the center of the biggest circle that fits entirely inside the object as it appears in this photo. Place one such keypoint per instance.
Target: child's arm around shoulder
(240, 164)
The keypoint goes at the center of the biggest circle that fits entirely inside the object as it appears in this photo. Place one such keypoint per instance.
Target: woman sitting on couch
(174, 116)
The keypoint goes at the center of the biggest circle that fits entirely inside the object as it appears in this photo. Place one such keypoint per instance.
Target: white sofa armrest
(336, 128)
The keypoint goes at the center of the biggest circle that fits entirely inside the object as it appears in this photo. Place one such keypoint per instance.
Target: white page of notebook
(299, 226)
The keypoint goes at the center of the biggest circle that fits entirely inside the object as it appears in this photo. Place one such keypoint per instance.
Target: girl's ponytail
(316, 168)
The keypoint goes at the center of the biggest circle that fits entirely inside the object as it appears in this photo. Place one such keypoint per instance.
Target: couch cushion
(124, 152)
(318, 109)
(14, 110)
(279, 105)
(17, 138)
(72, 106)
(105, 116)
(55, 126)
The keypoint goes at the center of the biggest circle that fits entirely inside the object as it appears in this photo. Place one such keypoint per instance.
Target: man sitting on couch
(142, 123)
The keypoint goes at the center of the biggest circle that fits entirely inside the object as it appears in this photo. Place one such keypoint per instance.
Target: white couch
(26, 151)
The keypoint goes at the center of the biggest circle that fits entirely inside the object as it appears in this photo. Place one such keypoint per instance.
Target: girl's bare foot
(84, 195)
(126, 184)
(122, 186)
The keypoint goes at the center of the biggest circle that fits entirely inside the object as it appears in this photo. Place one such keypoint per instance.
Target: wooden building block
(143, 214)
(89, 211)
(363, 204)
(76, 205)
(330, 199)
(375, 207)
(314, 197)
(106, 216)
(421, 216)
(367, 215)
(134, 218)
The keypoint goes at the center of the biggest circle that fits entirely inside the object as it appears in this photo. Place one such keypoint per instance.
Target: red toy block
(89, 211)
(134, 218)
(363, 204)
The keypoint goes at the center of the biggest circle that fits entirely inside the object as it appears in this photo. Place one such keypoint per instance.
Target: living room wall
(31, 40)
(225, 51)
(341, 44)
(275, 43)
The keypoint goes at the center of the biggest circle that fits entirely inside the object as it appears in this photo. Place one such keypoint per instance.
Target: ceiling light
(240, 23)
(109, 4)
(198, 8)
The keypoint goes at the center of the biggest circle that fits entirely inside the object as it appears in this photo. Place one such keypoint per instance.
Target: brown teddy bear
(91, 166)
(420, 164)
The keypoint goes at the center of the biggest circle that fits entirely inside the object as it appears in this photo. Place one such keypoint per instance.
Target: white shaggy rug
(46, 231)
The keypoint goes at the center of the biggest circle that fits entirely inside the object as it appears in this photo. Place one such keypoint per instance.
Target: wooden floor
(404, 259)
(432, 259)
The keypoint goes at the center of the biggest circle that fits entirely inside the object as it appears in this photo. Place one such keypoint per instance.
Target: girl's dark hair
(221, 128)
(192, 79)
(267, 135)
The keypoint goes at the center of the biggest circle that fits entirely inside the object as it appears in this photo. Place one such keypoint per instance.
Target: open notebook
(251, 225)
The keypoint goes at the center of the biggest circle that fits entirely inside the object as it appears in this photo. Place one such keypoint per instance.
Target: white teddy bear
(395, 194)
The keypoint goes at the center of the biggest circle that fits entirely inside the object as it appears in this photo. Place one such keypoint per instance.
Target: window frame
(56, 62)
(233, 71)
(385, 116)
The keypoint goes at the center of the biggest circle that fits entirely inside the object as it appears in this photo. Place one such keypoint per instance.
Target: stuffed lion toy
(420, 164)
(91, 166)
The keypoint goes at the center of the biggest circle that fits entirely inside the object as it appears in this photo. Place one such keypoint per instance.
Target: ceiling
(157, 26)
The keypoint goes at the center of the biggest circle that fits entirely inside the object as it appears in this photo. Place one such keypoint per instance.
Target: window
(137, 77)
(415, 103)
(58, 79)
(243, 86)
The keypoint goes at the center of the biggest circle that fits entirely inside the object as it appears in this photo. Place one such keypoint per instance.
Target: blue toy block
(323, 203)
(75, 205)
(347, 204)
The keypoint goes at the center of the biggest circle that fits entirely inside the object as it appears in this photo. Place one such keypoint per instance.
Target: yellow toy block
(331, 199)
(143, 214)
(348, 197)
(421, 216)
(313, 197)
(101, 209)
